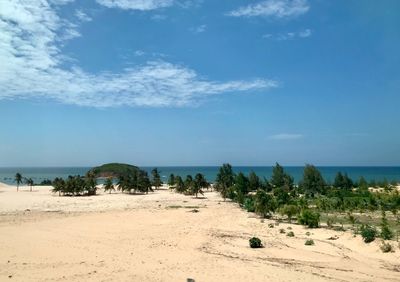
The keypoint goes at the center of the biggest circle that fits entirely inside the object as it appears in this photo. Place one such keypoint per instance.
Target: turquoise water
(38, 174)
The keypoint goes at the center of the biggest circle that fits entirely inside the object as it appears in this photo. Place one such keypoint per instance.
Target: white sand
(141, 238)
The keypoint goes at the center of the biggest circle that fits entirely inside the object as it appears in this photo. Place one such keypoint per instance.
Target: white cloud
(146, 5)
(286, 136)
(289, 35)
(143, 5)
(82, 16)
(139, 53)
(199, 29)
(272, 8)
(32, 67)
(305, 33)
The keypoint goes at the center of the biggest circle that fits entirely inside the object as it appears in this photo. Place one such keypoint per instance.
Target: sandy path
(141, 238)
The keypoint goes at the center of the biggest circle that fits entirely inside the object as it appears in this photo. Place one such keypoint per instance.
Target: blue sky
(199, 82)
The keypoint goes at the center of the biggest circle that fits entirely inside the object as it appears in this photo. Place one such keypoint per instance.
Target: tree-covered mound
(114, 170)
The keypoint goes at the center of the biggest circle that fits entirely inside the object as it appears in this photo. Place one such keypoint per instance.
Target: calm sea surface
(38, 174)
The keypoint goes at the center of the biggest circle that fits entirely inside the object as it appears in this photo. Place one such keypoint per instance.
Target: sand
(157, 237)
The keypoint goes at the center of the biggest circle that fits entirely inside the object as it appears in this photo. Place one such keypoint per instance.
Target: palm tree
(199, 183)
(108, 185)
(18, 179)
(29, 182)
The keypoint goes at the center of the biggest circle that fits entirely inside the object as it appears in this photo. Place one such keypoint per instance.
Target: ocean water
(38, 174)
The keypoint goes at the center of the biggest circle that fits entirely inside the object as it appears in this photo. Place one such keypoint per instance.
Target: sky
(199, 82)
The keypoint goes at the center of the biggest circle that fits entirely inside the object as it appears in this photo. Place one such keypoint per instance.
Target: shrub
(309, 218)
(309, 242)
(290, 234)
(330, 222)
(308, 233)
(282, 231)
(368, 233)
(386, 247)
(271, 225)
(249, 204)
(386, 233)
(255, 242)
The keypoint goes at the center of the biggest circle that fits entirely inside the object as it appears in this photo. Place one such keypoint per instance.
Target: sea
(38, 174)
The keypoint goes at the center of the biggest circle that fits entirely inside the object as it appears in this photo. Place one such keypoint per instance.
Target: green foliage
(249, 204)
(313, 182)
(156, 178)
(271, 225)
(368, 233)
(264, 203)
(188, 183)
(18, 179)
(225, 180)
(386, 247)
(342, 181)
(280, 178)
(289, 211)
(109, 185)
(290, 234)
(282, 231)
(171, 180)
(309, 218)
(309, 242)
(179, 185)
(199, 183)
(46, 182)
(255, 243)
(114, 170)
(241, 185)
(29, 182)
(75, 186)
(254, 182)
(386, 232)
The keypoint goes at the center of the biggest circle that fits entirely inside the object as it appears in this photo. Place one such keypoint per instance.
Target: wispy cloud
(272, 8)
(199, 29)
(82, 16)
(286, 136)
(146, 5)
(32, 67)
(288, 35)
(143, 5)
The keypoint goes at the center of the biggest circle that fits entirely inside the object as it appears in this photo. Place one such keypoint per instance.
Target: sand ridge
(158, 237)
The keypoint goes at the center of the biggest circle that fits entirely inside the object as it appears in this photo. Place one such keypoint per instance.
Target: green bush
(368, 233)
(282, 231)
(271, 225)
(386, 247)
(386, 233)
(290, 234)
(309, 218)
(309, 242)
(249, 204)
(255, 243)
(308, 233)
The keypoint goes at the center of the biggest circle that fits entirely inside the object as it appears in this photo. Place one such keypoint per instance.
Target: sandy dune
(157, 237)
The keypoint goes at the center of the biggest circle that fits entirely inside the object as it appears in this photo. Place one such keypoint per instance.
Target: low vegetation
(255, 243)
(342, 205)
(309, 242)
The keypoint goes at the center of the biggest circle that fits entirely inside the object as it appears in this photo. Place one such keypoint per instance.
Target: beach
(165, 236)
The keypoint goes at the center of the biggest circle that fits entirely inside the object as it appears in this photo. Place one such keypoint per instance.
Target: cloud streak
(272, 8)
(32, 67)
(286, 136)
(289, 35)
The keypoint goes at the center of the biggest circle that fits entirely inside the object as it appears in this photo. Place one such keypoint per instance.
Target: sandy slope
(142, 238)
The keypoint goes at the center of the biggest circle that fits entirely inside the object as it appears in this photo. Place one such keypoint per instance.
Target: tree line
(309, 198)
